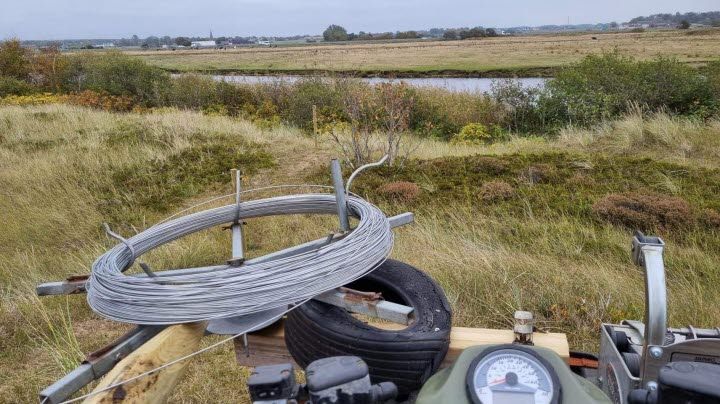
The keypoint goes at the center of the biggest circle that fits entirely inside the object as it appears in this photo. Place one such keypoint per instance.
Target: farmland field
(521, 55)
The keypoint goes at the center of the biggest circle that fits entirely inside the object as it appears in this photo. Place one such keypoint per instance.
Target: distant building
(108, 45)
(202, 44)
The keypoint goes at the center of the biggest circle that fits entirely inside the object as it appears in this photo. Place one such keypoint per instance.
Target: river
(449, 83)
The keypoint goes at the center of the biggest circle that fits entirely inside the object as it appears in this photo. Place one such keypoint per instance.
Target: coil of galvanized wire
(251, 288)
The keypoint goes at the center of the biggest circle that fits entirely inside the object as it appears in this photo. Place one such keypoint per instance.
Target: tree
(49, 67)
(152, 42)
(335, 33)
(182, 41)
(491, 32)
(407, 35)
(450, 35)
(14, 59)
(684, 24)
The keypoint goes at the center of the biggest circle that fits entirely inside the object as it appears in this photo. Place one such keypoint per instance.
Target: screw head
(656, 352)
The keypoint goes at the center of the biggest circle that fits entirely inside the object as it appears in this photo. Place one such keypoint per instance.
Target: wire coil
(252, 288)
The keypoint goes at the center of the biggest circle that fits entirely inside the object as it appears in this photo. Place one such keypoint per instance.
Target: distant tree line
(337, 33)
(678, 19)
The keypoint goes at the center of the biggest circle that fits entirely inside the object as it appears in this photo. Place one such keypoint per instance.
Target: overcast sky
(58, 19)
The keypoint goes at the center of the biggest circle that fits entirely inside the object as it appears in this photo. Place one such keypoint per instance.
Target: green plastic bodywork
(449, 385)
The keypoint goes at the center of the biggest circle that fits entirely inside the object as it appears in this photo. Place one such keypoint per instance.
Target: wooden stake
(315, 123)
(172, 343)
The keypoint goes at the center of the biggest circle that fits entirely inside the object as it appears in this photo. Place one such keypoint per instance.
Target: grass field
(522, 55)
(535, 244)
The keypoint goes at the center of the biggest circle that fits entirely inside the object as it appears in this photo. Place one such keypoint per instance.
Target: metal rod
(238, 241)
(340, 195)
(363, 168)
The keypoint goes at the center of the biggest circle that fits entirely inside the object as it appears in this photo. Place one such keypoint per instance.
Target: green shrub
(608, 85)
(234, 97)
(117, 74)
(441, 113)
(326, 95)
(477, 133)
(192, 91)
(13, 86)
(14, 59)
(712, 73)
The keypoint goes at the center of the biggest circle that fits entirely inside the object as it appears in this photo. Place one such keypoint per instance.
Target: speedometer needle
(497, 381)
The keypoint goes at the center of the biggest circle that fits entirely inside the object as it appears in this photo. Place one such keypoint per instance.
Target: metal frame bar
(238, 240)
(340, 195)
(372, 306)
(97, 364)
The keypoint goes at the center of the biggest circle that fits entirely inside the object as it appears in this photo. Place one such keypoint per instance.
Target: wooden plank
(267, 347)
(172, 343)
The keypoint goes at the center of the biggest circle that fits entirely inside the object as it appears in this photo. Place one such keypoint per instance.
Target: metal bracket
(367, 303)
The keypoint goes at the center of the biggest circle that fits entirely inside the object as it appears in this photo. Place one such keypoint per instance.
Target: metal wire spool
(237, 291)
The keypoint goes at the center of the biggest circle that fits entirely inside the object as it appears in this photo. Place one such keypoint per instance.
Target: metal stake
(238, 240)
(340, 195)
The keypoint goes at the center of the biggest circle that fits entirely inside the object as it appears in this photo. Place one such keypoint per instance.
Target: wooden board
(171, 343)
(267, 347)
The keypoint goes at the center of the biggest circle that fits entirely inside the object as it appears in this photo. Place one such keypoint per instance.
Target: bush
(13, 86)
(477, 133)
(14, 59)
(117, 74)
(326, 95)
(608, 85)
(712, 74)
(31, 99)
(102, 101)
(400, 191)
(645, 212)
(192, 91)
(441, 113)
(496, 191)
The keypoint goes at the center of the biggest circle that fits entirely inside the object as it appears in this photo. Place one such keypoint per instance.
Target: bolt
(652, 386)
(656, 352)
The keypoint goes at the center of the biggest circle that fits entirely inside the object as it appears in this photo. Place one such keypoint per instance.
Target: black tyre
(406, 357)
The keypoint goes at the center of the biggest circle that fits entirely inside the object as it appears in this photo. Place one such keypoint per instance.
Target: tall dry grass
(57, 164)
(659, 136)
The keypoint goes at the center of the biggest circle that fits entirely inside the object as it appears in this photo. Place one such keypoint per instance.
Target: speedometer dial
(511, 374)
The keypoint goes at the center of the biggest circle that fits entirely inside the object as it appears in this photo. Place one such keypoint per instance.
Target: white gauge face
(512, 376)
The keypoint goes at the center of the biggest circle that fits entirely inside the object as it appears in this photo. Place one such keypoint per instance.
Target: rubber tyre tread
(406, 357)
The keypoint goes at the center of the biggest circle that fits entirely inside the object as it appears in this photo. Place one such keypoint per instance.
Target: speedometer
(512, 374)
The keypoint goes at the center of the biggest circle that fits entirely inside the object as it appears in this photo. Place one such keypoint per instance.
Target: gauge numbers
(511, 376)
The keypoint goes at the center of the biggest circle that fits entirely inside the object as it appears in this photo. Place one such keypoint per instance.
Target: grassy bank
(520, 56)
(512, 225)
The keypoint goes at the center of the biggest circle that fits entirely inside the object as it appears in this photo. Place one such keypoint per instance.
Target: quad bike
(639, 362)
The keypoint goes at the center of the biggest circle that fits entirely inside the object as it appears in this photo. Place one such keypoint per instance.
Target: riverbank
(525, 72)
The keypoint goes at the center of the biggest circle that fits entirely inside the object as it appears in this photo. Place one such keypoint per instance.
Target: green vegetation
(531, 223)
(597, 88)
(335, 33)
